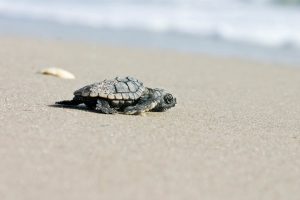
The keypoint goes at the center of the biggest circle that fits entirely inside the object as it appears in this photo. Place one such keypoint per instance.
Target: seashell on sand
(60, 73)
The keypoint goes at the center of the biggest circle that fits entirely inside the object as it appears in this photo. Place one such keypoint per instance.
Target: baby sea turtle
(126, 95)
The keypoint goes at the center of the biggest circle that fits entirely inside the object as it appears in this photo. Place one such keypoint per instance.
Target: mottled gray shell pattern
(117, 89)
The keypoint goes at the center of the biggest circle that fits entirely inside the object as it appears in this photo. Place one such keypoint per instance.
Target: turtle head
(165, 100)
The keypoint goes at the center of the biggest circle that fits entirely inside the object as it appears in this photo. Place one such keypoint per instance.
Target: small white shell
(60, 73)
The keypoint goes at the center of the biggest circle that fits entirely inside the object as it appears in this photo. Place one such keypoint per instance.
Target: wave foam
(255, 24)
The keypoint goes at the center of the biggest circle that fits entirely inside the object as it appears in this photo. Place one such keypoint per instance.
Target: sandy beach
(233, 135)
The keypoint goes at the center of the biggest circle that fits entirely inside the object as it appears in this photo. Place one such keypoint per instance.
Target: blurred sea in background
(268, 30)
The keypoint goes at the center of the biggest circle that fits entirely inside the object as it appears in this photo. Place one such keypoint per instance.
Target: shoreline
(172, 41)
(234, 133)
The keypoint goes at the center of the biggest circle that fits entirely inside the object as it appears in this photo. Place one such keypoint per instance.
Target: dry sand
(233, 135)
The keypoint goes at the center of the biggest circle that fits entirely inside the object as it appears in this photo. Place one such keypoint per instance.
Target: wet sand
(233, 135)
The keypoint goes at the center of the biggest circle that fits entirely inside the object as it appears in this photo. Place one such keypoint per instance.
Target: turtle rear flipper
(104, 107)
(73, 102)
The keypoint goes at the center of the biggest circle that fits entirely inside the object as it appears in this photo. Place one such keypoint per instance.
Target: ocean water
(257, 28)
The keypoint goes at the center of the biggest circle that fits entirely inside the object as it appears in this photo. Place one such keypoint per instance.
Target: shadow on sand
(79, 107)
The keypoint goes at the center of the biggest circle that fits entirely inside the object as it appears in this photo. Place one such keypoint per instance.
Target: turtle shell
(127, 88)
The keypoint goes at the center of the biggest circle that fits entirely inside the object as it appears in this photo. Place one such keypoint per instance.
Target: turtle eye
(168, 98)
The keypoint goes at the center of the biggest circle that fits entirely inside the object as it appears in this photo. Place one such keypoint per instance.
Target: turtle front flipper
(157, 100)
(104, 107)
(141, 107)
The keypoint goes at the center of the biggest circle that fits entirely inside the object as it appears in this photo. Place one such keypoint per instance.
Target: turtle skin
(126, 95)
